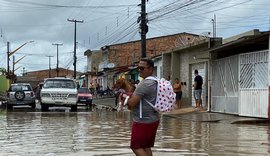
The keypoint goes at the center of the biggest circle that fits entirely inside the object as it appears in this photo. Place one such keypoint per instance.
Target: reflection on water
(213, 138)
(108, 133)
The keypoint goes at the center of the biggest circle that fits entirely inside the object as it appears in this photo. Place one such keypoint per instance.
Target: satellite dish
(110, 65)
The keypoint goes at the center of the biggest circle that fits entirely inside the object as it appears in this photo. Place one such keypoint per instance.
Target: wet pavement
(26, 132)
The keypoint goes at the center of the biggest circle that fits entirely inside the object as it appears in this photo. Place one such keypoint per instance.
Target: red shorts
(143, 135)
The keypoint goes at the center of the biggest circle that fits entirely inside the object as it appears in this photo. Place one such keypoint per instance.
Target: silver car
(20, 94)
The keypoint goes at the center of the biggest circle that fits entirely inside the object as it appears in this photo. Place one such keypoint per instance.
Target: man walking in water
(145, 118)
(197, 85)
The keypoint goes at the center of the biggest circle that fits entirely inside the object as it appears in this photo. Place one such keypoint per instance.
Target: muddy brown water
(101, 132)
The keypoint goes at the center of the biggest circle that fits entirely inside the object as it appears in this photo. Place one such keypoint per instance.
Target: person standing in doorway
(178, 91)
(169, 79)
(197, 86)
(145, 118)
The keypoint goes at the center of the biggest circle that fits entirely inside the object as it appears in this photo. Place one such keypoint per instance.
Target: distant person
(197, 85)
(178, 91)
(92, 88)
(39, 87)
(169, 79)
(98, 88)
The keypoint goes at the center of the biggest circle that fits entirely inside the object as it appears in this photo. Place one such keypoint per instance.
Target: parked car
(85, 96)
(20, 94)
(59, 91)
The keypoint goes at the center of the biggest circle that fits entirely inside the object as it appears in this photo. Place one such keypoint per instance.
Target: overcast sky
(108, 22)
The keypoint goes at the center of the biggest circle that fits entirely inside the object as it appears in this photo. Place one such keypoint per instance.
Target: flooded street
(101, 132)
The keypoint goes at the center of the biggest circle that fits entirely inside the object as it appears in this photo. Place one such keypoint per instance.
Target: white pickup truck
(59, 91)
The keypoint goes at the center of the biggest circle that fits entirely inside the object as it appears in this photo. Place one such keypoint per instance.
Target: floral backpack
(165, 99)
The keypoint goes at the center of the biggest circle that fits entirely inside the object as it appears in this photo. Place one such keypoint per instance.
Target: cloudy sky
(108, 22)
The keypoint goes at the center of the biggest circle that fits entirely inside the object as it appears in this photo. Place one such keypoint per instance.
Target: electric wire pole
(57, 62)
(49, 65)
(75, 57)
(144, 28)
(8, 54)
(214, 26)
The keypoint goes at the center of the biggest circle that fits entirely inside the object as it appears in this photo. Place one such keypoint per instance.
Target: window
(59, 83)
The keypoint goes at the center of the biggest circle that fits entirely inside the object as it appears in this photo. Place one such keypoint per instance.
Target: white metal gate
(201, 67)
(224, 90)
(253, 84)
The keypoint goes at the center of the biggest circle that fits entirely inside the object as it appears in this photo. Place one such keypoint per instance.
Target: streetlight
(17, 68)
(15, 62)
(12, 52)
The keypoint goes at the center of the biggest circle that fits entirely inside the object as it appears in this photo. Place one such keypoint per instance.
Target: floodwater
(101, 132)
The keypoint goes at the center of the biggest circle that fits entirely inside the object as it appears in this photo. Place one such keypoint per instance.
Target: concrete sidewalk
(187, 110)
(202, 115)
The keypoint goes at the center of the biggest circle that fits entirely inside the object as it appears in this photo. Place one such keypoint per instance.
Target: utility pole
(13, 67)
(214, 26)
(144, 28)
(49, 65)
(57, 60)
(75, 57)
(8, 58)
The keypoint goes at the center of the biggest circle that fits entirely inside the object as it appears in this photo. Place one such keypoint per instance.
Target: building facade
(240, 76)
(120, 60)
(184, 60)
(35, 77)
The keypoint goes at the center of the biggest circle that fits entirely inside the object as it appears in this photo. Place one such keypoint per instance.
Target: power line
(65, 6)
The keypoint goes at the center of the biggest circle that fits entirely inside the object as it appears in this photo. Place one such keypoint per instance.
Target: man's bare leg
(142, 152)
(149, 151)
